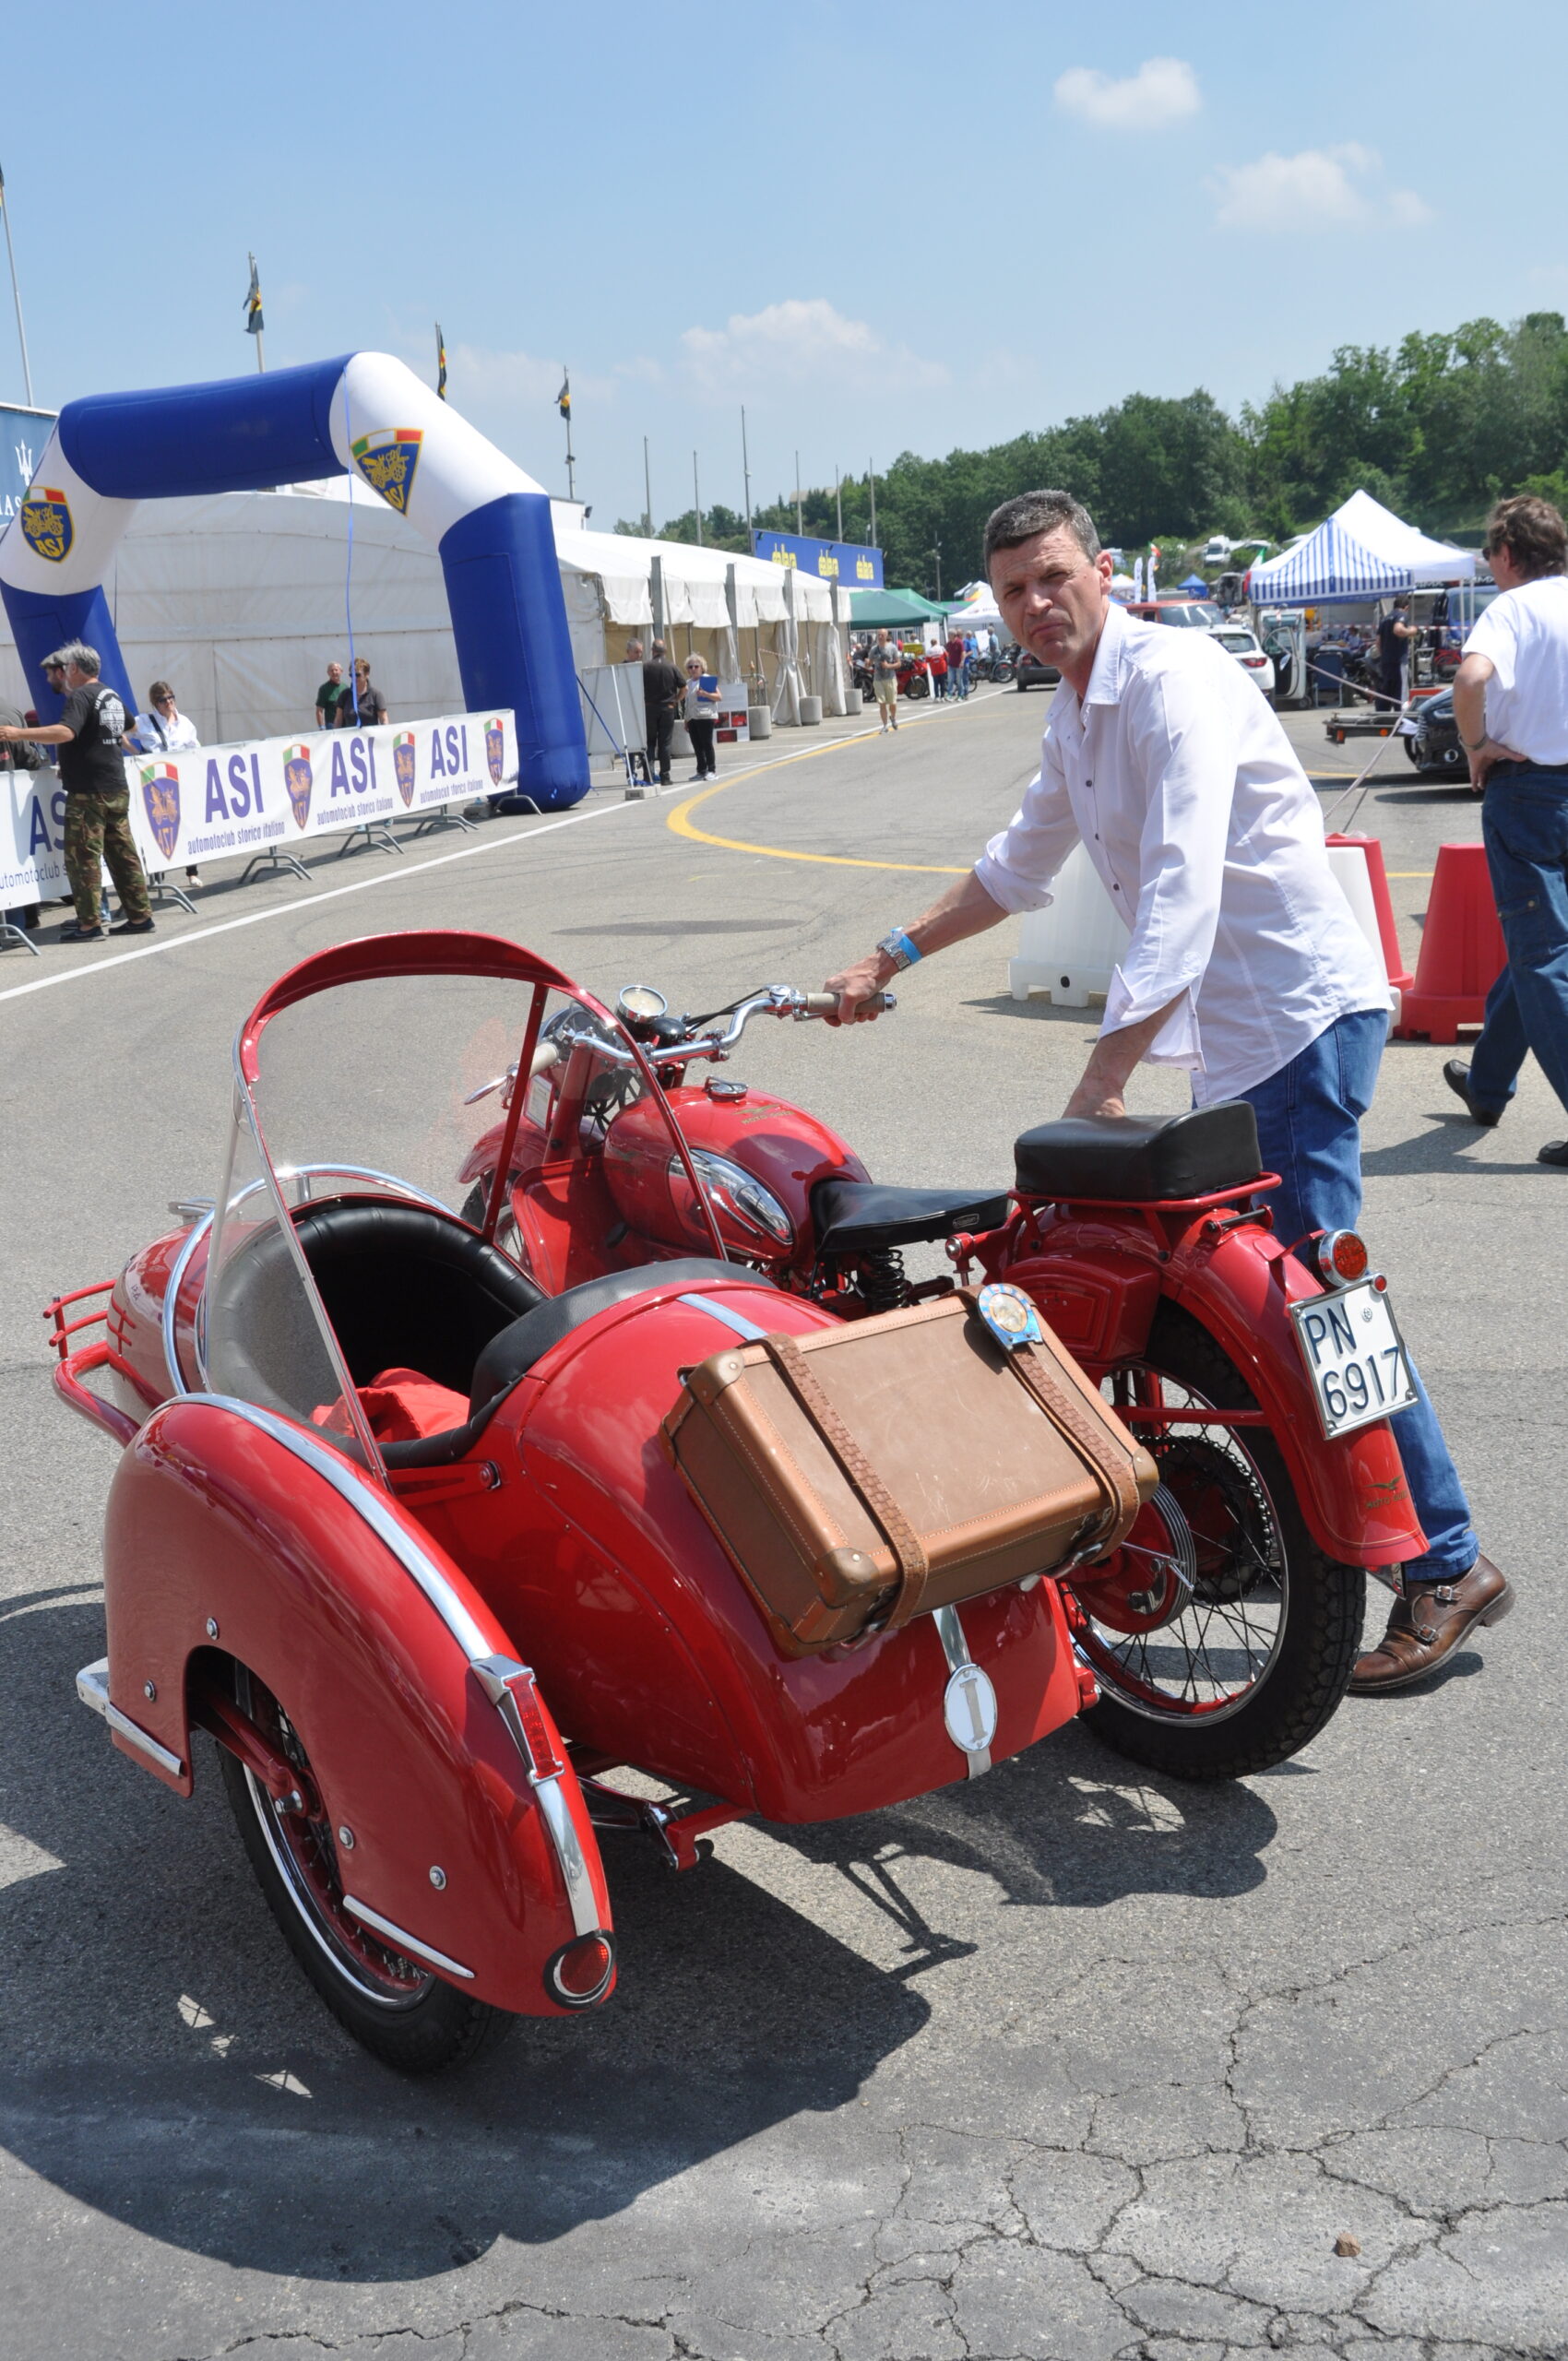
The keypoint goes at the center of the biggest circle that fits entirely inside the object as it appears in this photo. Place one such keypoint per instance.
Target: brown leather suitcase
(864, 1474)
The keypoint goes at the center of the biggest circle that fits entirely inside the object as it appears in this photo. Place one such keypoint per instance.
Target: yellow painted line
(683, 827)
(1421, 875)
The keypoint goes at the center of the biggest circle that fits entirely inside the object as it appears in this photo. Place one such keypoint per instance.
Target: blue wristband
(899, 949)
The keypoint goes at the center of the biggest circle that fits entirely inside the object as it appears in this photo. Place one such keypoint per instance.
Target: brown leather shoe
(1428, 1626)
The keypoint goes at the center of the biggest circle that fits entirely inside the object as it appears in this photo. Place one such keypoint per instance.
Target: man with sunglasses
(1245, 968)
(1511, 708)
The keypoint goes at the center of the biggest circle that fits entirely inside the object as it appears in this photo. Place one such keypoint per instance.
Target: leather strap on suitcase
(914, 1567)
(1119, 1483)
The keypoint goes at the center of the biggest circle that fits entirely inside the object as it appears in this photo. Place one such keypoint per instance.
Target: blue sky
(881, 228)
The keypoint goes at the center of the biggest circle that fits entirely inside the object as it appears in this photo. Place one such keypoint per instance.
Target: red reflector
(1344, 1256)
(547, 1762)
(580, 1971)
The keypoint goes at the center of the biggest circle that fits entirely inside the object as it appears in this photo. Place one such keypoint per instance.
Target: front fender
(232, 1530)
(1352, 1491)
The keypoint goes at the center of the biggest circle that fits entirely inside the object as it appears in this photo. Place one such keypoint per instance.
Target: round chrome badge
(968, 1708)
(1008, 1313)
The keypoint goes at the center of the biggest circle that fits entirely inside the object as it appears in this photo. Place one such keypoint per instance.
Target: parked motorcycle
(1259, 1370)
(914, 677)
(995, 667)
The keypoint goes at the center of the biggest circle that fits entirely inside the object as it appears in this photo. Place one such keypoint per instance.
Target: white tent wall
(242, 598)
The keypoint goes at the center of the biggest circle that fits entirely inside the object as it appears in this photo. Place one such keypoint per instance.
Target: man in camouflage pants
(89, 734)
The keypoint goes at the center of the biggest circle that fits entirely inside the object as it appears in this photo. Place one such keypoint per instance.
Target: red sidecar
(391, 1523)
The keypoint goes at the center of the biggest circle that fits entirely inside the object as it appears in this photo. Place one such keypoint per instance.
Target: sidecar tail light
(581, 1972)
(1342, 1257)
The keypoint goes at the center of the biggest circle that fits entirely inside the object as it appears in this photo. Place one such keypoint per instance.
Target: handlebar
(576, 1028)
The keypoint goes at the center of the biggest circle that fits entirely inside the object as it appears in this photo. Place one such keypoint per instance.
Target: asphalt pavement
(1071, 2062)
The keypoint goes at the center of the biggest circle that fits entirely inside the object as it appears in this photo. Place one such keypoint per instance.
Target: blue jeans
(1309, 1129)
(1525, 823)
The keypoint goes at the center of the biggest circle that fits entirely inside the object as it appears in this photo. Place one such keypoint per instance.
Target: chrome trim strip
(721, 1311)
(404, 1940)
(171, 1297)
(955, 1648)
(371, 1505)
(569, 1853)
(92, 1688)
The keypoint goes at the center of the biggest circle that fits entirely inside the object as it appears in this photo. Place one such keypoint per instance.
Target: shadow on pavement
(1444, 1149)
(168, 2066)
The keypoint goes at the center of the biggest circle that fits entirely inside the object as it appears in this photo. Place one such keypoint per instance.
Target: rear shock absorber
(882, 1282)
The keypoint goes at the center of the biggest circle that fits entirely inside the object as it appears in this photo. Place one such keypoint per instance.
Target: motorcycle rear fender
(1353, 1490)
(233, 1534)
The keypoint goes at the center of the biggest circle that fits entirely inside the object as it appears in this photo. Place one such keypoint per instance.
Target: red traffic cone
(1399, 976)
(1462, 950)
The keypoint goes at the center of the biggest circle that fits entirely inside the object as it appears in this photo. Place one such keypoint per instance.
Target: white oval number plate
(968, 1708)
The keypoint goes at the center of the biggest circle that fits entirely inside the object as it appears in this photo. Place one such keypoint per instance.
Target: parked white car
(1242, 643)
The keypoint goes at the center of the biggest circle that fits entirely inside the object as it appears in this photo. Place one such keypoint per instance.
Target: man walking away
(885, 659)
(1245, 968)
(91, 735)
(329, 697)
(663, 689)
(1510, 705)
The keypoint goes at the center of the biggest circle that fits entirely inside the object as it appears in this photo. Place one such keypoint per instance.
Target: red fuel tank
(759, 1157)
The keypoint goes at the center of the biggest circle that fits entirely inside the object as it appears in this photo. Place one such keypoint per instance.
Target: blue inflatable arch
(365, 412)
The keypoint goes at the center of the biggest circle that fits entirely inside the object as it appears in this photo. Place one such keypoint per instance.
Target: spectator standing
(1394, 637)
(18, 756)
(957, 685)
(329, 696)
(90, 734)
(163, 730)
(663, 689)
(936, 665)
(366, 707)
(701, 717)
(886, 656)
(1511, 706)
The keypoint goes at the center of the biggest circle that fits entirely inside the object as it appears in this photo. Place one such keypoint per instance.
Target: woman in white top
(700, 714)
(163, 730)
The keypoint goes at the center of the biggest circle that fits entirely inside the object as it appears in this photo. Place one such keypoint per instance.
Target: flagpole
(696, 499)
(571, 477)
(17, 294)
(746, 470)
(647, 492)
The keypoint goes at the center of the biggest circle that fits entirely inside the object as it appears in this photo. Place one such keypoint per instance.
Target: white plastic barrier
(1070, 949)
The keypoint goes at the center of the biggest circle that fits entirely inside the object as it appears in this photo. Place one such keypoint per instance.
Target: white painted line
(383, 877)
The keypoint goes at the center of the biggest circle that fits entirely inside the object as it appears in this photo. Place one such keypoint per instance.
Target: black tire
(507, 1233)
(1283, 1607)
(402, 2013)
(1002, 673)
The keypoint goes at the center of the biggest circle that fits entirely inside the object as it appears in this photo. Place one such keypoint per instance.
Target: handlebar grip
(826, 1005)
(548, 1054)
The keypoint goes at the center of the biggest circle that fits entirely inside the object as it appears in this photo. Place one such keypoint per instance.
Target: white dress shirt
(1176, 776)
(1525, 634)
(158, 733)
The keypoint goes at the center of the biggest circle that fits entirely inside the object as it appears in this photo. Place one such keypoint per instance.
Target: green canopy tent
(895, 610)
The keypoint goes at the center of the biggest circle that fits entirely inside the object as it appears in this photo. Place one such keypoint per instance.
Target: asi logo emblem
(495, 748)
(386, 460)
(161, 793)
(46, 522)
(297, 779)
(403, 763)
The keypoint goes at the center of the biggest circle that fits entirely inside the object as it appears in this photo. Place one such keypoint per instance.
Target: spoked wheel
(507, 1235)
(396, 2009)
(1221, 1636)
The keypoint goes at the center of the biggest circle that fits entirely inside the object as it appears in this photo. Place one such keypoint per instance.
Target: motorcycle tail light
(580, 1973)
(1342, 1257)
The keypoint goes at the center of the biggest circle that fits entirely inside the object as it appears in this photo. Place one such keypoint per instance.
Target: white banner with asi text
(227, 802)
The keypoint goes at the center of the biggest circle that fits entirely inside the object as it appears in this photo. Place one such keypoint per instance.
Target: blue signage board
(23, 434)
(846, 563)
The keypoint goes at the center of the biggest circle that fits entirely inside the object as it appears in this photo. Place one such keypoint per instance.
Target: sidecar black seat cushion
(859, 1216)
(512, 1354)
(1123, 1160)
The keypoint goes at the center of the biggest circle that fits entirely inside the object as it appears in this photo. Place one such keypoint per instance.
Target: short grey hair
(85, 659)
(1019, 520)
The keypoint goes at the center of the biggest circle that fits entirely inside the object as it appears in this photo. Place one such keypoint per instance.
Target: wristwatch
(898, 947)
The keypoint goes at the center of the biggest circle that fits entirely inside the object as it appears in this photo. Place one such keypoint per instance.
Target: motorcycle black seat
(1122, 1159)
(860, 1216)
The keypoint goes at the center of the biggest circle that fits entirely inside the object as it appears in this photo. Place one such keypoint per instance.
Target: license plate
(1354, 1356)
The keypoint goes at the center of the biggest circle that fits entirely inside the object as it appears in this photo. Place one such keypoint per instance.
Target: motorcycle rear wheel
(1261, 1648)
(398, 2010)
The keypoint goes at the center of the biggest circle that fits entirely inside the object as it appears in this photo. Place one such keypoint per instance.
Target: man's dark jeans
(1525, 823)
(661, 730)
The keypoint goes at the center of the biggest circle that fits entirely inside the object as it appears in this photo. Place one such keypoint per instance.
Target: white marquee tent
(242, 598)
(1363, 551)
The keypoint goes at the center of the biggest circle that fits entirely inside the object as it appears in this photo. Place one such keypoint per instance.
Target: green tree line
(1437, 427)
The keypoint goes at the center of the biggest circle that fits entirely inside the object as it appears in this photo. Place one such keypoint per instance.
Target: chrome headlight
(741, 1194)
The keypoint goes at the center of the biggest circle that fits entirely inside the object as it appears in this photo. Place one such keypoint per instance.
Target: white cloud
(797, 342)
(1162, 91)
(1318, 188)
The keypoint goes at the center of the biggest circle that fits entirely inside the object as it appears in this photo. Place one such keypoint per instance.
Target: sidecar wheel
(398, 2010)
(507, 1233)
(1240, 1661)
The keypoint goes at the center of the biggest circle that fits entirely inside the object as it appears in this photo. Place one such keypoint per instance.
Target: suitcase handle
(914, 1567)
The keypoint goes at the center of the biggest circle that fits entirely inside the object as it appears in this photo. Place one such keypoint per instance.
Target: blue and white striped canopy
(1363, 551)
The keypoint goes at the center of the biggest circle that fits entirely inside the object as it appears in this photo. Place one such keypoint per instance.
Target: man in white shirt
(163, 730)
(1511, 706)
(1245, 966)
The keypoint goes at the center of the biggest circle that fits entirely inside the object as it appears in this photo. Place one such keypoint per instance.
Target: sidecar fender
(233, 1533)
(1352, 1491)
